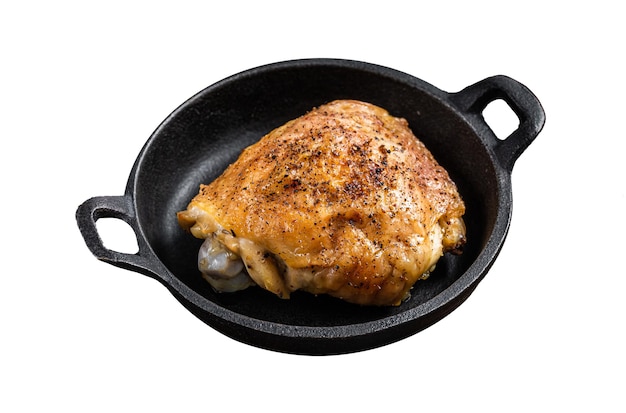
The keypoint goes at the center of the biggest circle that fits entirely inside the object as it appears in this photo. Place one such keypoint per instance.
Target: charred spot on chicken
(343, 200)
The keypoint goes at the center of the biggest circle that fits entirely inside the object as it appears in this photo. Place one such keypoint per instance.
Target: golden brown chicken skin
(344, 201)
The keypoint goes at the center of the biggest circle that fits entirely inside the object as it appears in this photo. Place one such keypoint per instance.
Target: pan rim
(462, 286)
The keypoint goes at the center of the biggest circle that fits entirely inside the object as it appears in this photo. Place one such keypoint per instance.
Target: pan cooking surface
(207, 150)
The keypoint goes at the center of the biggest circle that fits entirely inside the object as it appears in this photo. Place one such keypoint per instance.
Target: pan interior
(208, 132)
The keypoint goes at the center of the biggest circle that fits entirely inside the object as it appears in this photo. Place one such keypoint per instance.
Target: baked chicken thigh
(343, 200)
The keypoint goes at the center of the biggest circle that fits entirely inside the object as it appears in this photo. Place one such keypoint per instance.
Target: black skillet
(200, 138)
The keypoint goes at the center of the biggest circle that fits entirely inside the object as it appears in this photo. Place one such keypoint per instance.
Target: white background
(83, 85)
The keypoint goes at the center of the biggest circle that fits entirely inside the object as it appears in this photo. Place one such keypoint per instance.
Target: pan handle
(121, 207)
(474, 99)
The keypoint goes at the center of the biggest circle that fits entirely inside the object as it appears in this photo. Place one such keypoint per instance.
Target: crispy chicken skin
(343, 200)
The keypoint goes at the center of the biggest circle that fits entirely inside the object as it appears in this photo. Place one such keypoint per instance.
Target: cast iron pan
(205, 134)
